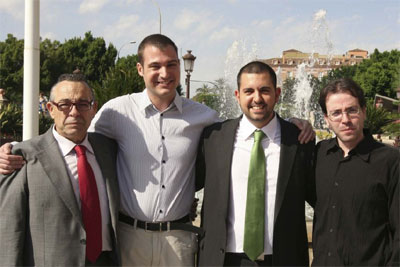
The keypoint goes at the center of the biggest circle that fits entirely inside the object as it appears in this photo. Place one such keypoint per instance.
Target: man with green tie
(256, 177)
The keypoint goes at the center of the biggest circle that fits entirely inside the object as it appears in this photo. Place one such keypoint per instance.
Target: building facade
(316, 64)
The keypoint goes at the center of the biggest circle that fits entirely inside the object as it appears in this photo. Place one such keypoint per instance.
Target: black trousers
(241, 259)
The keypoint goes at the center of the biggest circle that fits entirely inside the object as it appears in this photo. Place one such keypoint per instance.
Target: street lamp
(130, 42)
(159, 12)
(188, 61)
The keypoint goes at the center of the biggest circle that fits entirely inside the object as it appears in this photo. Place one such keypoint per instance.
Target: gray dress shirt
(157, 152)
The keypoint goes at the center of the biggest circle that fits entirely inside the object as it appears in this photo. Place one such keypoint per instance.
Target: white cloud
(198, 23)
(262, 23)
(49, 35)
(288, 20)
(122, 27)
(186, 19)
(89, 6)
(15, 8)
(224, 33)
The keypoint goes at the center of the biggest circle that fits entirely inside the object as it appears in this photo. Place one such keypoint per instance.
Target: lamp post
(130, 42)
(159, 12)
(188, 61)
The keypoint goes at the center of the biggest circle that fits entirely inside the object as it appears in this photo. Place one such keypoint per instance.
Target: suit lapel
(109, 176)
(286, 161)
(54, 166)
(226, 143)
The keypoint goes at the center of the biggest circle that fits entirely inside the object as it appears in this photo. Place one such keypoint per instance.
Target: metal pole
(188, 85)
(31, 69)
(159, 12)
(130, 42)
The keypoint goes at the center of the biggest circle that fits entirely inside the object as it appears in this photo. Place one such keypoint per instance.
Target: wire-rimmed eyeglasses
(337, 115)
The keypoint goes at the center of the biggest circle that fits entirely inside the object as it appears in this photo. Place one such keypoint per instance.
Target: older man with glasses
(61, 207)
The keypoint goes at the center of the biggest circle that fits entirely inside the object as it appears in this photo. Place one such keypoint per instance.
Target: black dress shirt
(356, 220)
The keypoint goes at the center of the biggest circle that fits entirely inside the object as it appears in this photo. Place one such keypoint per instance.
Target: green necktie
(253, 244)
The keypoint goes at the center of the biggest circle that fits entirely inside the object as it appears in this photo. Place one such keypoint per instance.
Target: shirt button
(329, 254)
(336, 184)
(333, 206)
(162, 114)
(83, 241)
(162, 137)
(163, 186)
(163, 161)
(222, 250)
(160, 211)
(330, 230)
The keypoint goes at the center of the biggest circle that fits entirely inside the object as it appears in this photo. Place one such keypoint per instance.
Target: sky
(222, 34)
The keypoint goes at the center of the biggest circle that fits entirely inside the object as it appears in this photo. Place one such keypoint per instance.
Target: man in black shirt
(356, 220)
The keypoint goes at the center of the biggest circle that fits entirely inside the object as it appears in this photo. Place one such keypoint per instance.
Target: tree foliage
(120, 79)
(90, 55)
(376, 119)
(219, 97)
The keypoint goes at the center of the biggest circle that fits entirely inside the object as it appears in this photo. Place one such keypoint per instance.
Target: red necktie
(90, 205)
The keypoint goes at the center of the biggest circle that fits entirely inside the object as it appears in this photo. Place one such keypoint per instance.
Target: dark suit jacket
(295, 185)
(40, 220)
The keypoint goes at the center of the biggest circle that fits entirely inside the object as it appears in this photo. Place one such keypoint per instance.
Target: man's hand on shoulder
(307, 132)
(9, 163)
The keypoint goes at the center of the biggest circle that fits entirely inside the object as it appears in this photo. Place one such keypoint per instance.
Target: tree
(119, 80)
(90, 55)
(11, 67)
(376, 119)
(379, 74)
(207, 96)
(285, 105)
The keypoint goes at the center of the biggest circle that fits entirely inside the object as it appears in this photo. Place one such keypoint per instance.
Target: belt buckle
(160, 224)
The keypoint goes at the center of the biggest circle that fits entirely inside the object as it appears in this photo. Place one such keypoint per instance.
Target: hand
(9, 163)
(307, 133)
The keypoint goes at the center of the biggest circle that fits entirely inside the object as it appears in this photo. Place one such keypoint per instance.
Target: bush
(11, 122)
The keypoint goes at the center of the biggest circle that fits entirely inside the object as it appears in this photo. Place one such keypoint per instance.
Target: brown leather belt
(180, 224)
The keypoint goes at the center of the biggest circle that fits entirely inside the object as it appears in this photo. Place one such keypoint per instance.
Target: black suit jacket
(295, 185)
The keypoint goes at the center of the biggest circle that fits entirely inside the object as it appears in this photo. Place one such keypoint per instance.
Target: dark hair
(76, 76)
(344, 85)
(158, 40)
(256, 67)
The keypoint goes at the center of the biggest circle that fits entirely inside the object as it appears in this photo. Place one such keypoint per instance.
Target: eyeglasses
(82, 105)
(337, 115)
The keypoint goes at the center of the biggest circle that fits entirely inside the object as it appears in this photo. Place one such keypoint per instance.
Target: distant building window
(352, 63)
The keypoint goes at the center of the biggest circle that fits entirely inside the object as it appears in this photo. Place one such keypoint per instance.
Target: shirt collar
(67, 145)
(144, 102)
(363, 148)
(269, 130)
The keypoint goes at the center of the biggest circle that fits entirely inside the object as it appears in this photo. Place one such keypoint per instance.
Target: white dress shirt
(239, 176)
(67, 150)
(156, 154)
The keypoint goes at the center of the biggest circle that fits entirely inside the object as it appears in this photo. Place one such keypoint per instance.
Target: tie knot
(80, 150)
(258, 135)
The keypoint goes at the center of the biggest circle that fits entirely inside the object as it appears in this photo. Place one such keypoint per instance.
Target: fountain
(241, 53)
